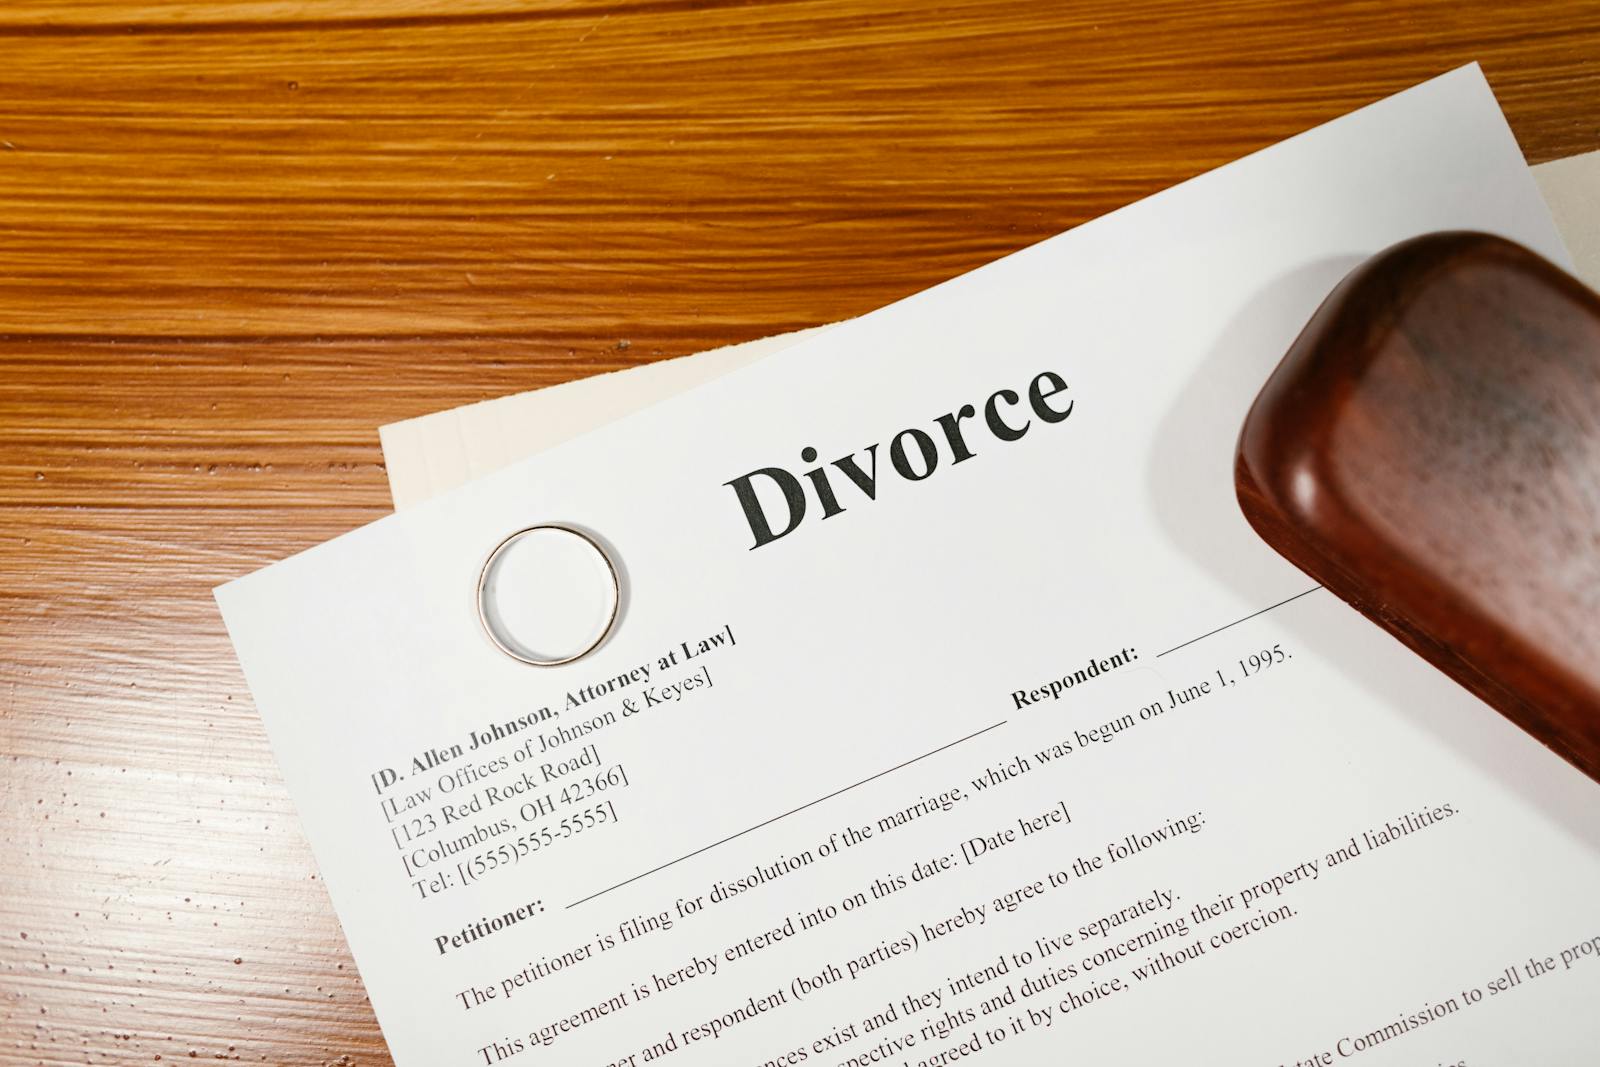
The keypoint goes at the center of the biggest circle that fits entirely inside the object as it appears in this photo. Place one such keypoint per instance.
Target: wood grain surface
(239, 235)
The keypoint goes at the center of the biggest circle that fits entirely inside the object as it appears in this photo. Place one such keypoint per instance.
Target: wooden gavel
(1429, 451)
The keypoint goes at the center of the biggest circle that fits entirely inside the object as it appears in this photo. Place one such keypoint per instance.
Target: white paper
(431, 454)
(434, 453)
(888, 658)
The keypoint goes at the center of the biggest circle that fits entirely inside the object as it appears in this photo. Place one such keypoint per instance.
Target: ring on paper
(553, 600)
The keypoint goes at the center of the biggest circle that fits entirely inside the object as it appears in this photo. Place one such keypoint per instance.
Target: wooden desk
(239, 235)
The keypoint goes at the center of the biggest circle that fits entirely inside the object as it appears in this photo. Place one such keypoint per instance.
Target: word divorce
(913, 453)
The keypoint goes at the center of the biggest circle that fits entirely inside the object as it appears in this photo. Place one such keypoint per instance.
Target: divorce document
(953, 714)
